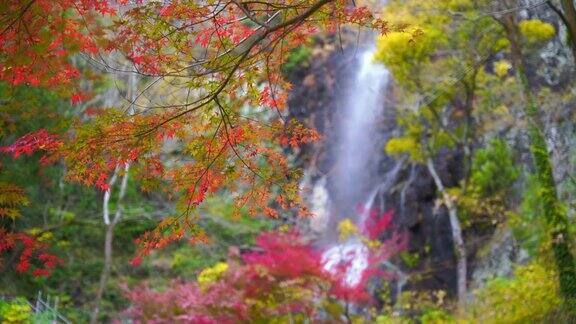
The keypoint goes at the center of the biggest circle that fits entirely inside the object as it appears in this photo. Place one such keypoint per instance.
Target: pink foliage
(279, 261)
(186, 303)
(279, 255)
(39, 140)
(376, 223)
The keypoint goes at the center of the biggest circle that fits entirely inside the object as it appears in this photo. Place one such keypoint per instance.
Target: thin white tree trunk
(108, 240)
(109, 237)
(459, 247)
(111, 224)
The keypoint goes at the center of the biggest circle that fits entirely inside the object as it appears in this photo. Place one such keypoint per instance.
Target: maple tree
(31, 253)
(38, 37)
(216, 64)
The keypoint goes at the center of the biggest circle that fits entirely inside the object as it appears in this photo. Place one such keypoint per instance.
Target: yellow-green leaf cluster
(536, 31)
(404, 52)
(502, 67)
(346, 229)
(11, 199)
(530, 297)
(16, 311)
(210, 275)
(405, 145)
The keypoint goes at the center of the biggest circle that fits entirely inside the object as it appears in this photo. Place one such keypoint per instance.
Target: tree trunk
(105, 274)
(570, 21)
(111, 223)
(459, 247)
(109, 238)
(468, 129)
(554, 215)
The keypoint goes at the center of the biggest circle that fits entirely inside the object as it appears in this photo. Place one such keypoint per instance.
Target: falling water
(359, 145)
(357, 163)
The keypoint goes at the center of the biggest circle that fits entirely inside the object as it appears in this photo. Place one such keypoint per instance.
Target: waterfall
(357, 158)
(358, 144)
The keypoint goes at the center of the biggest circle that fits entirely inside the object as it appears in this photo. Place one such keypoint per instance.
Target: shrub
(530, 297)
(283, 279)
(493, 169)
(297, 58)
(212, 274)
(15, 311)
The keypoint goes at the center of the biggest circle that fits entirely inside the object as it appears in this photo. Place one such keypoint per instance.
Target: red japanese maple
(217, 58)
(39, 140)
(33, 257)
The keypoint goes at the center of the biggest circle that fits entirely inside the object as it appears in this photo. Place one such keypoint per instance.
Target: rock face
(316, 101)
(497, 258)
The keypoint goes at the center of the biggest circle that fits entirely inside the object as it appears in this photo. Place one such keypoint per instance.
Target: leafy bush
(15, 311)
(530, 297)
(267, 284)
(436, 316)
(419, 307)
(212, 274)
(492, 177)
(297, 58)
(493, 170)
(284, 278)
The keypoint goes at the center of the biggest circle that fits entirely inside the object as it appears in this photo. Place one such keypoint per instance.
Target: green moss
(297, 58)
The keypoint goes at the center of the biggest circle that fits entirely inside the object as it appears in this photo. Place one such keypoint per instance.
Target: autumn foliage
(215, 69)
(38, 38)
(39, 140)
(216, 59)
(32, 255)
(284, 276)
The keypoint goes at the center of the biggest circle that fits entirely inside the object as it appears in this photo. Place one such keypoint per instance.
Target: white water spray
(354, 254)
(357, 168)
(354, 165)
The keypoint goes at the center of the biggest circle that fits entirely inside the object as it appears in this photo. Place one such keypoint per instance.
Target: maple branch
(224, 116)
(205, 171)
(20, 15)
(209, 98)
(249, 15)
(243, 49)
